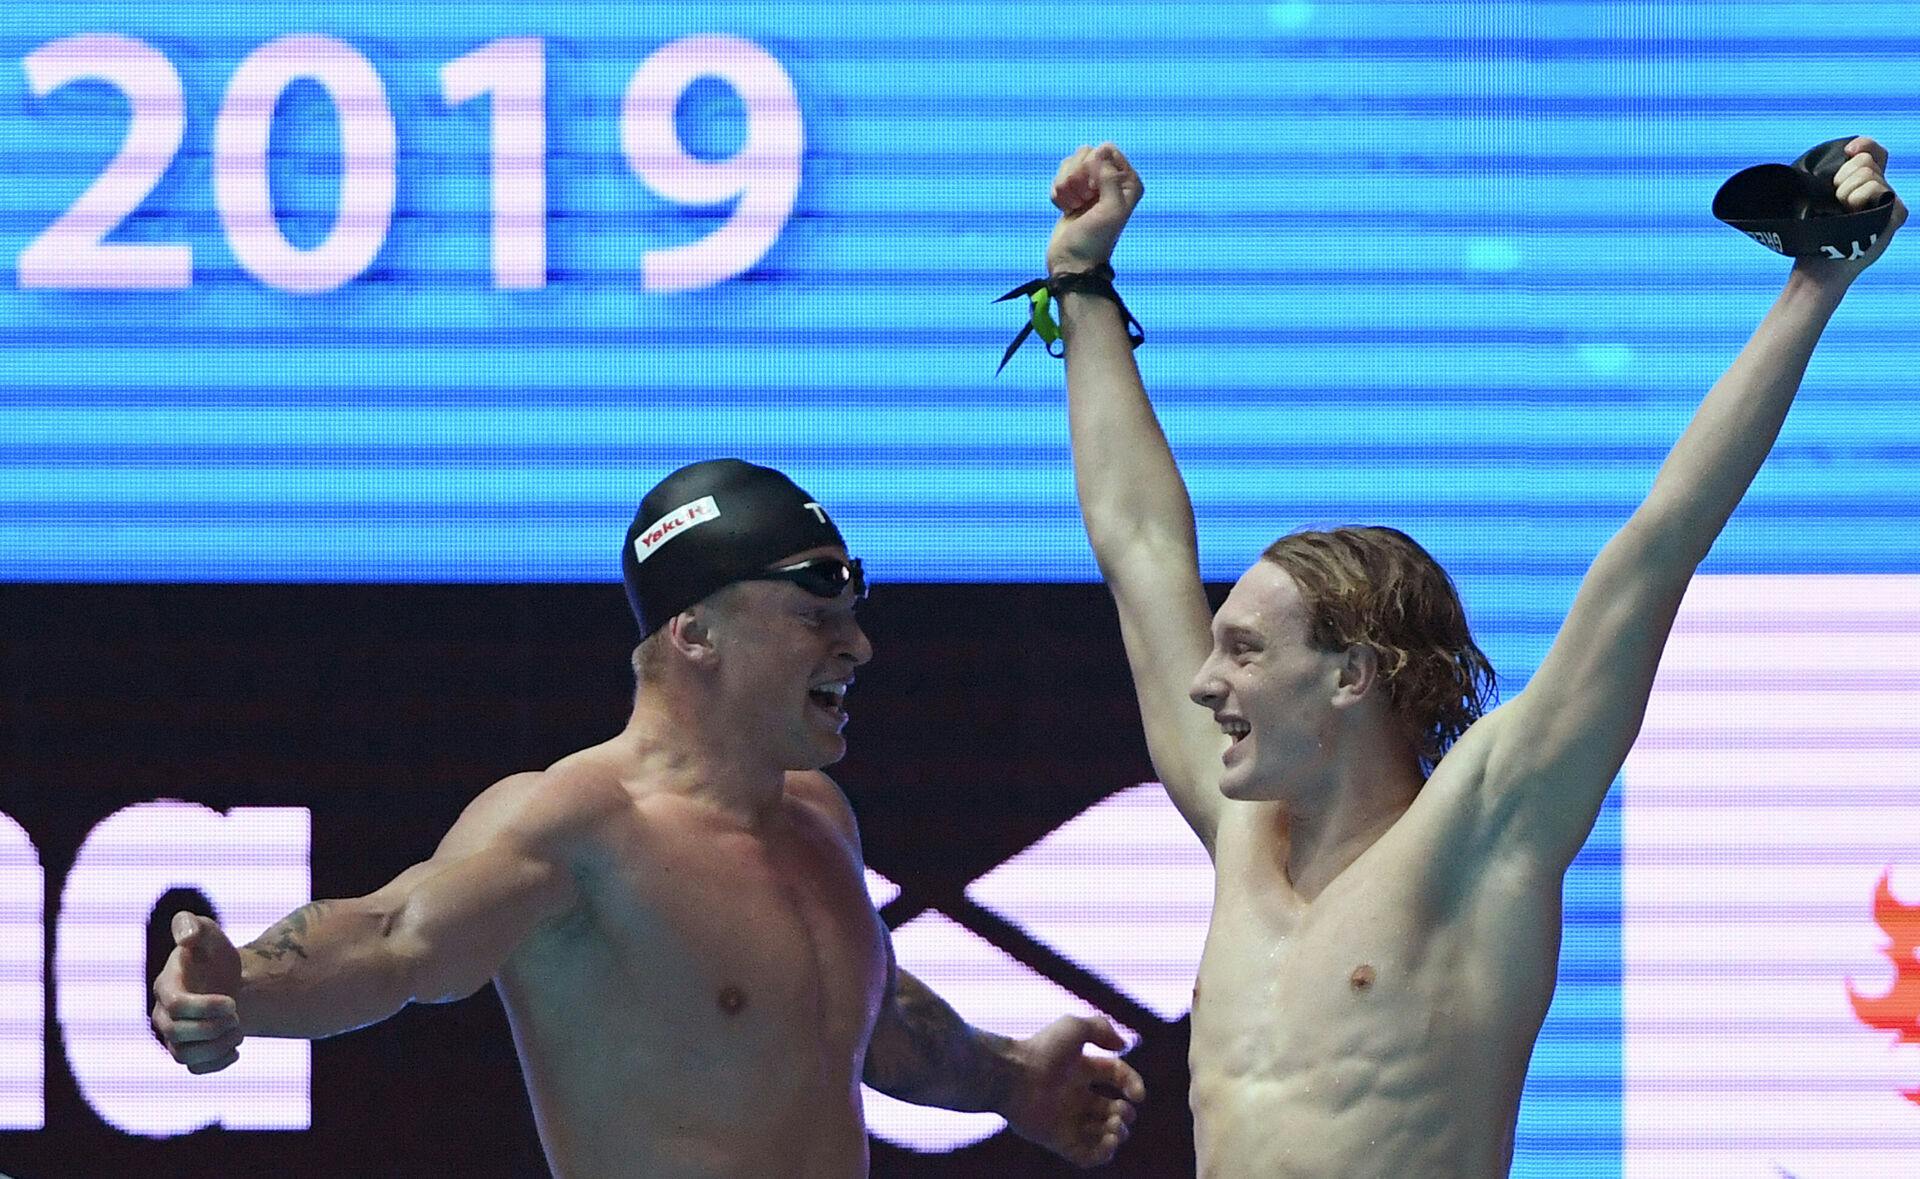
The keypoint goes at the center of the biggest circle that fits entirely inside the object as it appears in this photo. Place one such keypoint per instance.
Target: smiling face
(1271, 692)
(1374, 588)
(787, 658)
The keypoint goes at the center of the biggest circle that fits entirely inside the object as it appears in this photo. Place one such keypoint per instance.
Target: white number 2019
(762, 178)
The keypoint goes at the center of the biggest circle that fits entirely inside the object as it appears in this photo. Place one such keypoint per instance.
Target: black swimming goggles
(823, 577)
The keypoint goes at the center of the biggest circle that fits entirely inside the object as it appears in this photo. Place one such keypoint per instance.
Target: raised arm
(1553, 751)
(435, 933)
(1138, 517)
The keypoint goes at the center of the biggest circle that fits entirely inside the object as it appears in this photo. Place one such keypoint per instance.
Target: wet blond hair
(1377, 586)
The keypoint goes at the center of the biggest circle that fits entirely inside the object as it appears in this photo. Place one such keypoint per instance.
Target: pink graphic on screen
(252, 863)
(1124, 889)
(1771, 833)
(22, 1005)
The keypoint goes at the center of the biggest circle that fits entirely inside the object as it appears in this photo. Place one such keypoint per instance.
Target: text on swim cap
(819, 513)
(673, 524)
(1834, 253)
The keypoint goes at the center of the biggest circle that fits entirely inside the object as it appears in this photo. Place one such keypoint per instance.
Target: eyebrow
(807, 602)
(1239, 630)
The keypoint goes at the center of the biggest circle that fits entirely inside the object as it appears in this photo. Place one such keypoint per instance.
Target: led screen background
(1443, 266)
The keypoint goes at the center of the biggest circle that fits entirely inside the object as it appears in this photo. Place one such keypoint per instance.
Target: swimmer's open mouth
(832, 697)
(1235, 729)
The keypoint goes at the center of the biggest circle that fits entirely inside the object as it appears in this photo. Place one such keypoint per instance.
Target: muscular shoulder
(824, 795)
(1454, 829)
(1480, 780)
(558, 809)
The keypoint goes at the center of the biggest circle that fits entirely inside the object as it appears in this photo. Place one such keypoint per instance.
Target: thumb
(1097, 1030)
(197, 935)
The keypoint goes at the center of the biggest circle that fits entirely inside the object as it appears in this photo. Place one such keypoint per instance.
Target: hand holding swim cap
(710, 524)
(1832, 205)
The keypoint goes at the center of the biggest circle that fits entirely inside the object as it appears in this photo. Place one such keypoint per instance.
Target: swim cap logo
(686, 516)
(819, 513)
(1834, 253)
(1898, 1011)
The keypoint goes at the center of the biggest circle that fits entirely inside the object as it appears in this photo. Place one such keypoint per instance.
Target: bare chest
(1381, 1030)
(1283, 985)
(712, 947)
(1387, 971)
(773, 927)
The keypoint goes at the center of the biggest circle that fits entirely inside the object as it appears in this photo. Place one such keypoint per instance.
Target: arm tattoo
(288, 936)
(922, 1051)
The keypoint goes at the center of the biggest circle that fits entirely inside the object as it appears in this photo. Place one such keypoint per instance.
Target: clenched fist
(1095, 191)
(194, 1010)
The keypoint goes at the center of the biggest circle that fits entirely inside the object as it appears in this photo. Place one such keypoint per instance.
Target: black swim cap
(1792, 209)
(709, 525)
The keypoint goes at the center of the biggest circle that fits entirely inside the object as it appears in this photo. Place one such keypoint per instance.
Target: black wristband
(1097, 282)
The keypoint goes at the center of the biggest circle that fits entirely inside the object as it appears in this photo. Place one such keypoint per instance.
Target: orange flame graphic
(1898, 1011)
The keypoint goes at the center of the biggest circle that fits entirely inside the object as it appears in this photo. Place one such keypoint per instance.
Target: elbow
(402, 952)
(1135, 512)
(1675, 527)
(1117, 549)
(1662, 538)
(422, 969)
(1109, 539)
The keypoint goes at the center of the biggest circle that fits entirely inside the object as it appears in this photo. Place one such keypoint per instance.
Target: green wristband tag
(1043, 315)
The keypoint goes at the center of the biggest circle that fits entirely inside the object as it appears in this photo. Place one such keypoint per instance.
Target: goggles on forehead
(823, 577)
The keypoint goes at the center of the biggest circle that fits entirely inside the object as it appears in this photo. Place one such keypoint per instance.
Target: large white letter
(23, 1009)
(1146, 943)
(253, 864)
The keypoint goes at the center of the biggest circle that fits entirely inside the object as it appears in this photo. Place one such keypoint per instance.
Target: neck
(689, 754)
(1361, 791)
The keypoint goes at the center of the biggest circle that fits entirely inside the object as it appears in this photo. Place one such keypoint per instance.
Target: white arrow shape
(990, 989)
(1123, 889)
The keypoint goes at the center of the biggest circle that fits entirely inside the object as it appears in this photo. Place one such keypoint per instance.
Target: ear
(690, 634)
(1359, 673)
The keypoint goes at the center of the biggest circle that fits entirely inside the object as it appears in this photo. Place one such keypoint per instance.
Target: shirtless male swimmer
(1386, 922)
(676, 920)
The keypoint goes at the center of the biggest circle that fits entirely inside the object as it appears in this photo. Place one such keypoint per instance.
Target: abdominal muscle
(1333, 1123)
(1366, 1034)
(618, 1090)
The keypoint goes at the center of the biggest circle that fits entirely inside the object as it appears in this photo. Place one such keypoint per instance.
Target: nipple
(731, 1000)
(1362, 977)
